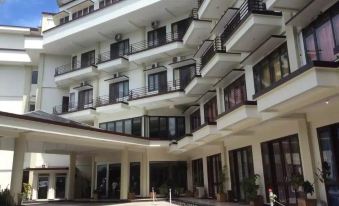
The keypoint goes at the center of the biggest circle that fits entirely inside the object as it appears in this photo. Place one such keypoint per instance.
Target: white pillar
(305, 150)
(258, 166)
(202, 114)
(17, 167)
(189, 175)
(144, 175)
(220, 100)
(204, 166)
(292, 46)
(93, 181)
(71, 176)
(124, 186)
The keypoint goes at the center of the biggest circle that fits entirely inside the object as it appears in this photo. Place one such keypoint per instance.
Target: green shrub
(6, 198)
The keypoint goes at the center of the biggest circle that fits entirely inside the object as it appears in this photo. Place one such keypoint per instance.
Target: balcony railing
(108, 56)
(194, 72)
(107, 100)
(148, 91)
(216, 47)
(162, 40)
(245, 10)
(72, 107)
(70, 68)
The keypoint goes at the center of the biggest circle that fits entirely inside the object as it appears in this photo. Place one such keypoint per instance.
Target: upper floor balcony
(250, 26)
(213, 9)
(75, 71)
(111, 104)
(77, 111)
(123, 16)
(158, 46)
(111, 62)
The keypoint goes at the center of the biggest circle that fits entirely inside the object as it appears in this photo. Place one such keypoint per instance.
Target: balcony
(286, 4)
(250, 26)
(107, 104)
(198, 85)
(111, 64)
(151, 51)
(169, 94)
(198, 30)
(216, 62)
(309, 84)
(213, 9)
(207, 132)
(76, 112)
(69, 73)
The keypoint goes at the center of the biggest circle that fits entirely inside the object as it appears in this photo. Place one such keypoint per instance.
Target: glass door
(102, 180)
(282, 159)
(134, 181)
(87, 59)
(241, 166)
(43, 182)
(60, 186)
(118, 91)
(156, 37)
(157, 82)
(85, 99)
(114, 181)
(119, 49)
(213, 173)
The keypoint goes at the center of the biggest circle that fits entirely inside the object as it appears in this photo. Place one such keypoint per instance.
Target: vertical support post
(93, 186)
(124, 174)
(71, 177)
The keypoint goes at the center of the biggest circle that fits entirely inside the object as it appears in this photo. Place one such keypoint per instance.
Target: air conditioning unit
(155, 24)
(116, 75)
(118, 37)
(155, 65)
(177, 59)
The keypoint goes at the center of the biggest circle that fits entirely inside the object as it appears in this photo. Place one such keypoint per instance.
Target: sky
(25, 12)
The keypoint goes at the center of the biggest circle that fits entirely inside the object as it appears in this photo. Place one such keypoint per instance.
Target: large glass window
(272, 68)
(184, 75)
(119, 49)
(119, 90)
(214, 171)
(197, 173)
(235, 94)
(157, 82)
(321, 37)
(134, 180)
(85, 99)
(282, 160)
(87, 59)
(167, 127)
(211, 110)
(328, 142)
(179, 28)
(195, 120)
(156, 37)
(126, 126)
(241, 167)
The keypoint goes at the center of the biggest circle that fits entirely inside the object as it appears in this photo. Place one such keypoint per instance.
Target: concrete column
(93, 181)
(27, 89)
(292, 46)
(71, 176)
(20, 146)
(223, 162)
(305, 150)
(41, 70)
(258, 166)
(95, 89)
(202, 114)
(124, 186)
(249, 78)
(204, 166)
(189, 175)
(220, 100)
(144, 175)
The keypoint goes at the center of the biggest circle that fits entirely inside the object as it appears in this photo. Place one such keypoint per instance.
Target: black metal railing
(159, 89)
(216, 47)
(248, 7)
(107, 100)
(160, 41)
(194, 14)
(109, 56)
(72, 107)
(71, 67)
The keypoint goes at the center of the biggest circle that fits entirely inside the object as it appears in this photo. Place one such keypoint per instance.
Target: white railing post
(153, 194)
(170, 196)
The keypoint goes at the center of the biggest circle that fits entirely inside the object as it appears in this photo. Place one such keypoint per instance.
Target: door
(85, 99)
(43, 182)
(156, 37)
(114, 181)
(101, 185)
(119, 49)
(60, 186)
(241, 167)
(65, 103)
(179, 28)
(87, 59)
(134, 181)
(282, 159)
(157, 82)
(213, 173)
(118, 91)
(185, 75)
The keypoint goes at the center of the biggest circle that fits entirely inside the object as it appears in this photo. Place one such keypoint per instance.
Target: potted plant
(250, 188)
(308, 189)
(131, 195)
(27, 191)
(221, 196)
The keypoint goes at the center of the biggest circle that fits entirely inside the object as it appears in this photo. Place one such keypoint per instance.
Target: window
(105, 3)
(74, 62)
(85, 99)
(31, 107)
(272, 68)
(156, 37)
(184, 75)
(119, 49)
(157, 82)
(126, 126)
(118, 91)
(235, 94)
(34, 79)
(321, 37)
(87, 59)
(197, 173)
(179, 28)
(167, 127)
(64, 20)
(71, 103)
(210, 110)
(195, 120)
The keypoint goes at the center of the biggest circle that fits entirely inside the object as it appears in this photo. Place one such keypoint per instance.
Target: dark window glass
(34, 77)
(195, 120)
(87, 59)
(167, 127)
(85, 99)
(118, 91)
(157, 82)
(335, 21)
(179, 28)
(210, 110)
(272, 68)
(103, 126)
(235, 94)
(119, 126)
(136, 127)
(156, 37)
(214, 170)
(111, 126)
(128, 126)
(31, 107)
(197, 174)
(74, 62)
(119, 49)
(134, 181)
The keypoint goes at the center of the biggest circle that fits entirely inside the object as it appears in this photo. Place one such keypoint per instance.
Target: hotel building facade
(135, 95)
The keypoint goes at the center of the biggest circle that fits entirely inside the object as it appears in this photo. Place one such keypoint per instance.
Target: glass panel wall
(197, 173)
(166, 127)
(235, 94)
(126, 126)
(211, 110)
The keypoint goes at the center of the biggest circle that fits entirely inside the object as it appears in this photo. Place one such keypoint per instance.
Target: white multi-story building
(166, 93)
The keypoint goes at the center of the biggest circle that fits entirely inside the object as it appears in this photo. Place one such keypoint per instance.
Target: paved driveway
(102, 204)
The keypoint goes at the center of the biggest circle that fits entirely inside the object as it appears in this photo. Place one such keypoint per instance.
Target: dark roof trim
(48, 13)
(9, 49)
(46, 168)
(22, 27)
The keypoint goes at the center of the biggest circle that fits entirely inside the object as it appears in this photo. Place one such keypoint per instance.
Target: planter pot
(307, 202)
(259, 201)
(221, 197)
(200, 192)
(230, 197)
(131, 196)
